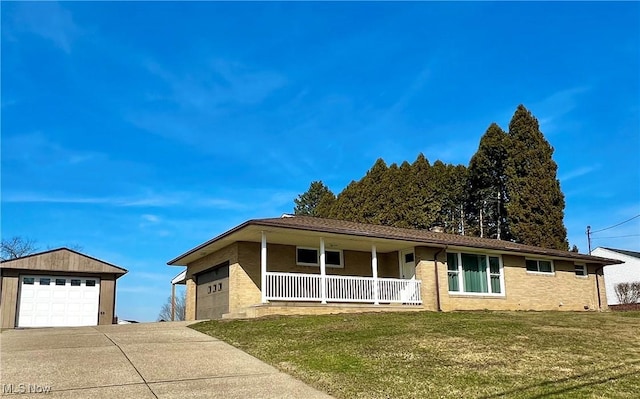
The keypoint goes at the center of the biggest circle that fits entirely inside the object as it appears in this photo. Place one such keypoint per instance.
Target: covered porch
(279, 284)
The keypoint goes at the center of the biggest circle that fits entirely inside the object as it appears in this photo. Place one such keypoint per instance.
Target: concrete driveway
(147, 360)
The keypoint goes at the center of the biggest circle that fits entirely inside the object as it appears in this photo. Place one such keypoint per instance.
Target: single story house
(303, 265)
(57, 288)
(626, 272)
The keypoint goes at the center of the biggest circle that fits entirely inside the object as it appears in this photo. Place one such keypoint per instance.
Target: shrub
(628, 292)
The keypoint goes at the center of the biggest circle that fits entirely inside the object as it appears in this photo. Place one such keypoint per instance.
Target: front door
(407, 264)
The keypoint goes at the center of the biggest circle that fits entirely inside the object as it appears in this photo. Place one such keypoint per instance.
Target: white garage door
(57, 301)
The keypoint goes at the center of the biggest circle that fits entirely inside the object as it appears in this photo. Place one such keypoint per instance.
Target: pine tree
(316, 201)
(535, 207)
(487, 186)
(348, 204)
(422, 204)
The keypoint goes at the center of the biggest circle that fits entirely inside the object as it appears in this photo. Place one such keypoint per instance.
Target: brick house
(308, 265)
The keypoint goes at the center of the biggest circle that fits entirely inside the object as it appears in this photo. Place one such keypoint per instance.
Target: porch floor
(314, 308)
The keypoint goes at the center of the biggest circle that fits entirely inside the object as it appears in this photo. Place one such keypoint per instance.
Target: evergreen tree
(487, 186)
(535, 207)
(422, 204)
(348, 204)
(375, 193)
(316, 201)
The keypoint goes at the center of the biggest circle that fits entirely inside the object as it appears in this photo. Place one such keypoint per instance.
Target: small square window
(28, 280)
(307, 256)
(61, 281)
(581, 270)
(532, 265)
(90, 283)
(408, 258)
(545, 266)
(539, 266)
(75, 283)
(45, 281)
(333, 258)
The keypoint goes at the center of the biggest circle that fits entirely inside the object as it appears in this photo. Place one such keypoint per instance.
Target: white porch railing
(308, 287)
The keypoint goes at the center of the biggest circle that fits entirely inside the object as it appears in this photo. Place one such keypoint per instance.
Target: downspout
(598, 287)
(435, 261)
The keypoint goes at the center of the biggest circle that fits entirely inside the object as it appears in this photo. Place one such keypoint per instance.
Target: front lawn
(449, 355)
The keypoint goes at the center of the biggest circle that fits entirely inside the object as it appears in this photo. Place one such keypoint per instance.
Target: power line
(616, 225)
(630, 235)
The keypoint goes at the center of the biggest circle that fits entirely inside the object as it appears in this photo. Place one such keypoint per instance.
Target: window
(90, 283)
(75, 283)
(474, 273)
(45, 281)
(539, 266)
(28, 280)
(61, 281)
(581, 270)
(311, 257)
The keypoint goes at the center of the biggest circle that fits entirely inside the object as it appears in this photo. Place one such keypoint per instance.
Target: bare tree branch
(16, 247)
(165, 312)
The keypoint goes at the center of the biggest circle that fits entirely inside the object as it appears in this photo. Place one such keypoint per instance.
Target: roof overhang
(359, 240)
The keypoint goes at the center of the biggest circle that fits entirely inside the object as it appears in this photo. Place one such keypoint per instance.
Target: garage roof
(63, 260)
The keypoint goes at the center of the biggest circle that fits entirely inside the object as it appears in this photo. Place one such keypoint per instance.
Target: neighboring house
(626, 272)
(303, 265)
(57, 288)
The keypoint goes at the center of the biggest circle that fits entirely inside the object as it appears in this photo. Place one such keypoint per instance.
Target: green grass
(449, 355)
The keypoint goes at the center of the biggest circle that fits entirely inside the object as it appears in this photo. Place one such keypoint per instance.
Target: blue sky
(138, 130)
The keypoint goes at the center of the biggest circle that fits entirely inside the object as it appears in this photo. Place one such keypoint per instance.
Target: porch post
(323, 272)
(263, 268)
(374, 272)
(173, 302)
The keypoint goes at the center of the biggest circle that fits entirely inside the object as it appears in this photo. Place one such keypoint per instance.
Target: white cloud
(552, 108)
(582, 171)
(48, 20)
(150, 218)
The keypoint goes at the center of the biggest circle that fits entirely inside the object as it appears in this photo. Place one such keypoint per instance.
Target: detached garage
(57, 288)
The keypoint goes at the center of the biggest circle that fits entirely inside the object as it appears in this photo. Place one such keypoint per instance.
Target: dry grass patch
(450, 355)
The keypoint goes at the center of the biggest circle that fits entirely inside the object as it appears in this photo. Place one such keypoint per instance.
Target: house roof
(371, 231)
(60, 258)
(624, 252)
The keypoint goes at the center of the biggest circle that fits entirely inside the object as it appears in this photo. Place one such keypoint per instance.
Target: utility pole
(589, 238)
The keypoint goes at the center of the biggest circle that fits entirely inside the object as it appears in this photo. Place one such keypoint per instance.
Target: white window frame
(327, 264)
(551, 273)
(585, 273)
(460, 274)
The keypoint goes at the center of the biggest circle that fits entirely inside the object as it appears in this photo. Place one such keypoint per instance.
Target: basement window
(311, 257)
(539, 266)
